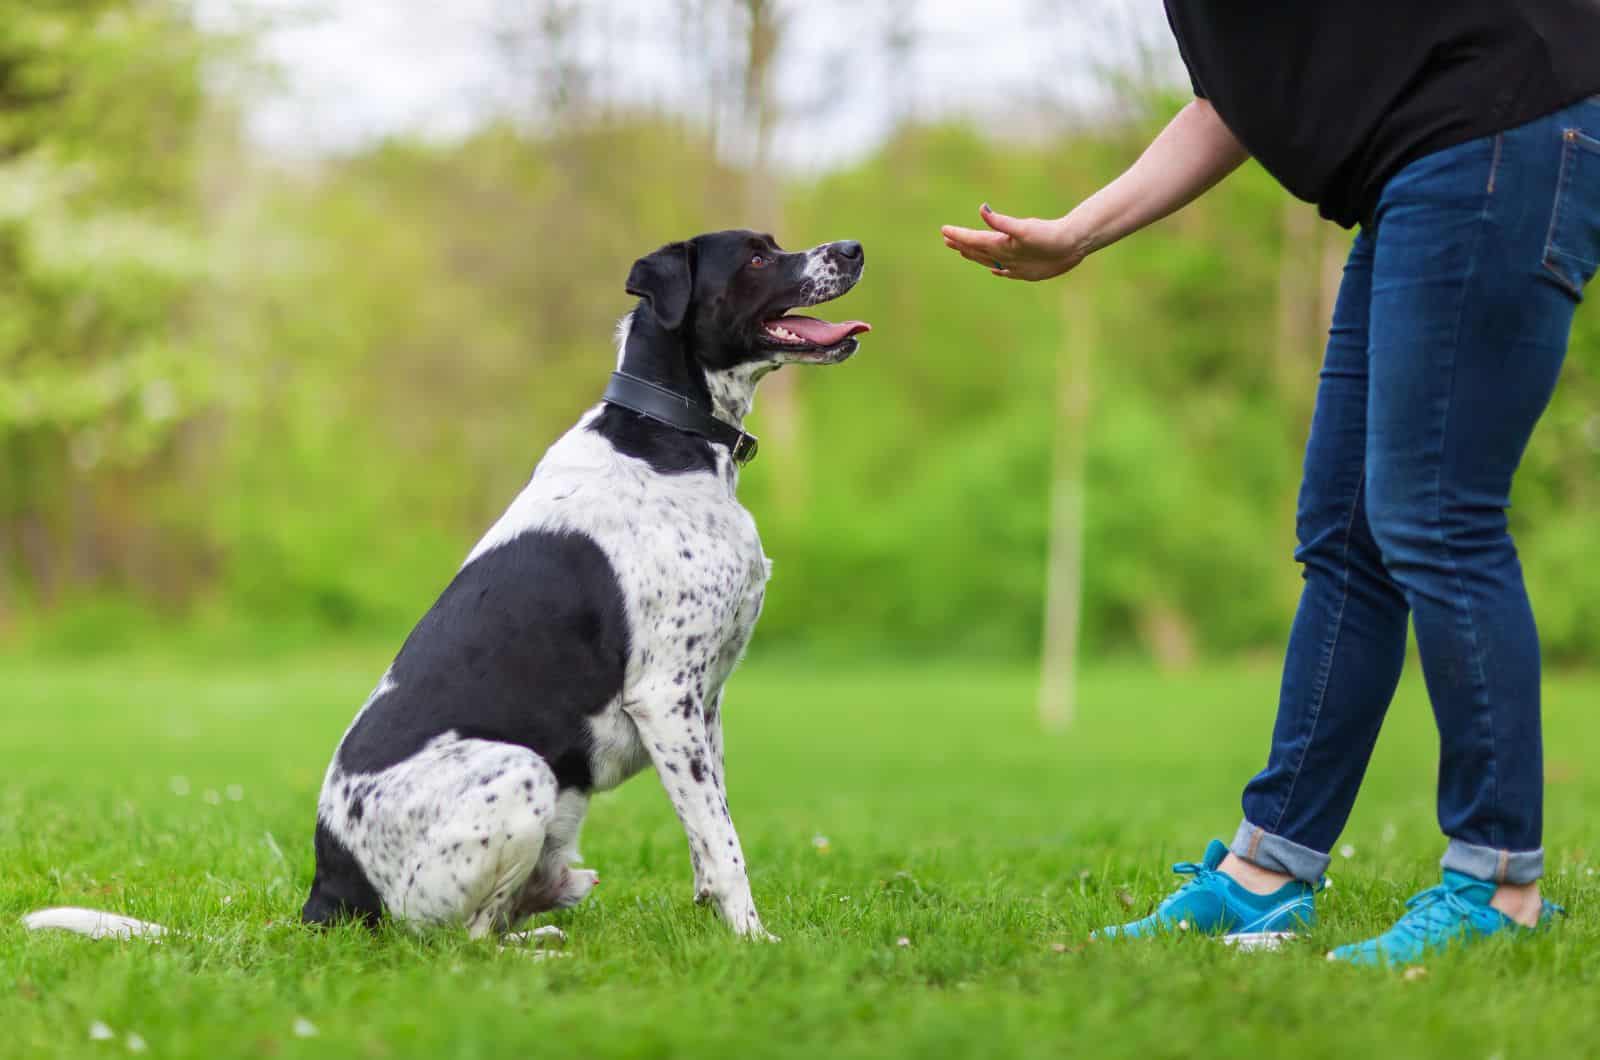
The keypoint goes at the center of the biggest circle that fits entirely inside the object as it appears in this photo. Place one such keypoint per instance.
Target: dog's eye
(758, 261)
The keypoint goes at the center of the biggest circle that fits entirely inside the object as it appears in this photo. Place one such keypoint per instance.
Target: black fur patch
(340, 890)
(528, 642)
(667, 450)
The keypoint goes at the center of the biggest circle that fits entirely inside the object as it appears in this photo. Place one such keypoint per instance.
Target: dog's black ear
(665, 278)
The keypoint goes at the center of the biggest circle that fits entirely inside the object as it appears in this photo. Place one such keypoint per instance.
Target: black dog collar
(677, 410)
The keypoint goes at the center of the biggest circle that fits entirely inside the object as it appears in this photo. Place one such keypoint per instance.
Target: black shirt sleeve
(1199, 93)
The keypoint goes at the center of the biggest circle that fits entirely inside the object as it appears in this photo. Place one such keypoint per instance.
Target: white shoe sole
(1258, 940)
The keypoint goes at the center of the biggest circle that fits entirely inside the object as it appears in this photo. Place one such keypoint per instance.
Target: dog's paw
(747, 925)
(536, 943)
(556, 891)
(756, 933)
(549, 934)
(575, 887)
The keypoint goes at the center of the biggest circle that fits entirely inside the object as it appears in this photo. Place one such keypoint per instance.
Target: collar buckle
(745, 449)
(678, 410)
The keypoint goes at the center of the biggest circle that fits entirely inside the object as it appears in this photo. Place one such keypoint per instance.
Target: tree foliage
(293, 403)
(101, 264)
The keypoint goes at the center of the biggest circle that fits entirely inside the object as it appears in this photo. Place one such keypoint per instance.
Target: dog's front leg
(715, 763)
(678, 735)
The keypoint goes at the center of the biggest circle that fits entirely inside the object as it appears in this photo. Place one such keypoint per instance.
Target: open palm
(1017, 248)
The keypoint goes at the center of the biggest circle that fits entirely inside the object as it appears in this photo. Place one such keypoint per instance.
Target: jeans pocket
(1572, 250)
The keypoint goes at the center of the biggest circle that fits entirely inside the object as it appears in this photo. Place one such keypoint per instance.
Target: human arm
(1190, 156)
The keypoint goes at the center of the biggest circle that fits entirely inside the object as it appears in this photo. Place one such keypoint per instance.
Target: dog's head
(727, 296)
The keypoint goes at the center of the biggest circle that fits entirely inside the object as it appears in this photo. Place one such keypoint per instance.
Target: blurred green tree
(100, 263)
(288, 397)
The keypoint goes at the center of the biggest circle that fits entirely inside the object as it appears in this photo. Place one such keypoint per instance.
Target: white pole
(1058, 678)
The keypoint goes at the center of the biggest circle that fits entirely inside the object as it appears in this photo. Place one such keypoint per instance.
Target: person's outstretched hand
(1018, 248)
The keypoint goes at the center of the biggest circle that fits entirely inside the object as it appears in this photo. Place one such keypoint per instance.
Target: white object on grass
(1258, 940)
(92, 922)
(537, 935)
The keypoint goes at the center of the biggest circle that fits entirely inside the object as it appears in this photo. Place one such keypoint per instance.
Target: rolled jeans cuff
(1276, 854)
(1496, 866)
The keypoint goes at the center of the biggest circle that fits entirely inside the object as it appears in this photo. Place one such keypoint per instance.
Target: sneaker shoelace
(1432, 912)
(1201, 874)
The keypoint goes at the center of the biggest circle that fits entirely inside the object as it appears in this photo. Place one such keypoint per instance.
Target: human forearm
(1192, 154)
(1188, 158)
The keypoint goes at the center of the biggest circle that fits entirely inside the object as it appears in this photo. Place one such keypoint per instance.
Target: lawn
(932, 861)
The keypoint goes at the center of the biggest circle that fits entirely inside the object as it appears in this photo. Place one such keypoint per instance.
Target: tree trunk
(1058, 678)
(782, 413)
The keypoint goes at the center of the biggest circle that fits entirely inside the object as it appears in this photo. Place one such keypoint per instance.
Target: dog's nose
(848, 249)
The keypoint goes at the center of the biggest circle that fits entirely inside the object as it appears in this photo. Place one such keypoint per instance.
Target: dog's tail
(92, 922)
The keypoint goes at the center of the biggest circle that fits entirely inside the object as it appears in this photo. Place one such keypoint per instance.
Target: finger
(975, 237)
(982, 259)
(992, 244)
(972, 255)
(982, 256)
(962, 230)
(1011, 226)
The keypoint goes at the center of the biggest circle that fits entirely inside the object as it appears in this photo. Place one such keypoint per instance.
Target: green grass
(950, 821)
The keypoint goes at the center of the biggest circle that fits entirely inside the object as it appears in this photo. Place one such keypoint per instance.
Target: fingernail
(985, 208)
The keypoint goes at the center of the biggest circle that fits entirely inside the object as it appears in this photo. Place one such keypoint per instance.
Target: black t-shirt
(1334, 98)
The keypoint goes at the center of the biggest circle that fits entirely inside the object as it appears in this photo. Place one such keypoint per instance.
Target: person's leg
(1344, 659)
(1469, 329)
(1350, 626)
(1347, 645)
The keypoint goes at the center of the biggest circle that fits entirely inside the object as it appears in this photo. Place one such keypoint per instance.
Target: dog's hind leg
(556, 883)
(462, 828)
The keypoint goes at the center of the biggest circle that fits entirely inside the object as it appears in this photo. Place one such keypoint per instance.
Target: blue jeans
(1449, 333)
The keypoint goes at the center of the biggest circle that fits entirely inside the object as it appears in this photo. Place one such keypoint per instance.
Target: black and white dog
(591, 631)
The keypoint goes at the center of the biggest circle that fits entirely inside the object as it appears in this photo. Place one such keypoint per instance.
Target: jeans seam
(1480, 684)
(1569, 142)
(1325, 670)
(1494, 164)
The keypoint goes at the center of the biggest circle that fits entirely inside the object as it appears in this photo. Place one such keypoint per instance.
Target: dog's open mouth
(808, 334)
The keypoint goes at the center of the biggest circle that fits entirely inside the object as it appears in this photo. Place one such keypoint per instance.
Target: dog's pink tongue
(822, 332)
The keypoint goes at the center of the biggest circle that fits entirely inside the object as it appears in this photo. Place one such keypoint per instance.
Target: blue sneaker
(1213, 904)
(1457, 912)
